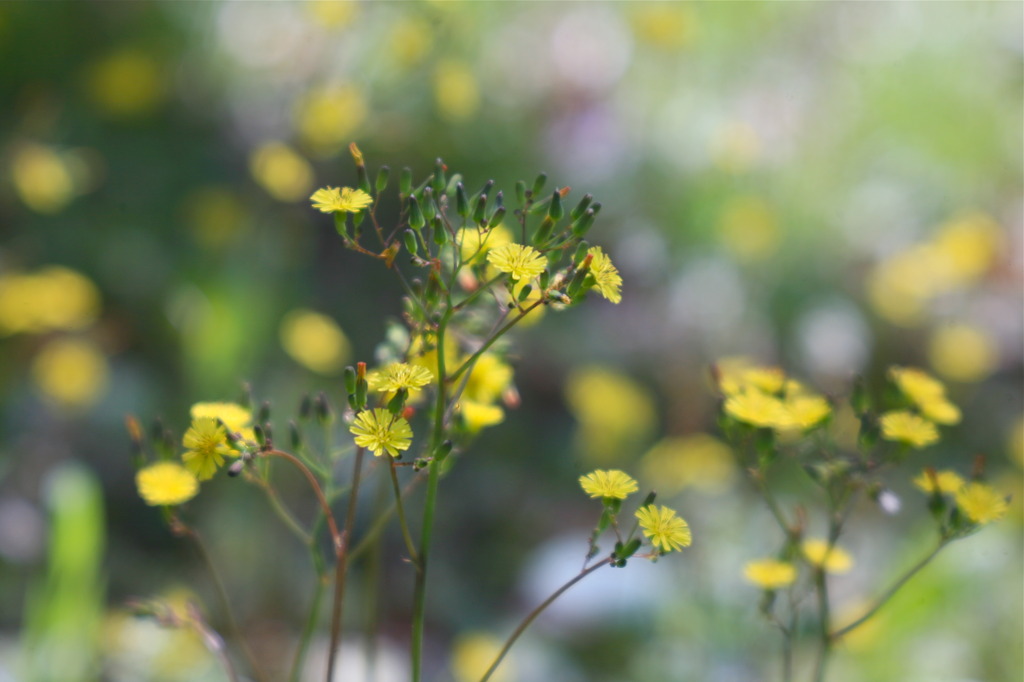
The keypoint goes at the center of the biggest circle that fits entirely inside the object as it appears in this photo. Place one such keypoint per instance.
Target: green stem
(536, 612)
(498, 334)
(307, 630)
(402, 522)
(821, 588)
(889, 593)
(378, 526)
(341, 567)
(433, 477)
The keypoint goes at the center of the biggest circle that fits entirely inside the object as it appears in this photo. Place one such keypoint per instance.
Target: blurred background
(830, 187)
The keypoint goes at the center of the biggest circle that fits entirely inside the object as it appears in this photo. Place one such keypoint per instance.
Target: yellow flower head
(946, 482)
(917, 384)
(611, 484)
(940, 411)
(474, 242)
(520, 262)
(834, 560)
(234, 416)
(806, 411)
(907, 427)
(478, 416)
(981, 503)
(606, 277)
(379, 430)
(400, 375)
(758, 409)
(770, 574)
(343, 200)
(736, 374)
(488, 379)
(207, 444)
(166, 483)
(665, 530)
(315, 341)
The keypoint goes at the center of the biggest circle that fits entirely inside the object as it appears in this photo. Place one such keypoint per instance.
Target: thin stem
(889, 593)
(341, 566)
(282, 512)
(324, 506)
(487, 344)
(536, 612)
(378, 526)
(402, 523)
(307, 630)
(821, 588)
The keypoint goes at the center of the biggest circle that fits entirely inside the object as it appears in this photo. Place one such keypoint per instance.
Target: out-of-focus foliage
(831, 187)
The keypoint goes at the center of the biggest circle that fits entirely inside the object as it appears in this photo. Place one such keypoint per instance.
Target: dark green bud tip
(497, 217)
(461, 201)
(396, 403)
(649, 500)
(521, 192)
(583, 224)
(264, 411)
(261, 436)
(323, 407)
(416, 219)
(581, 207)
(480, 209)
(295, 436)
(305, 407)
(555, 210)
(538, 184)
(405, 182)
(362, 179)
(382, 178)
(440, 233)
(525, 293)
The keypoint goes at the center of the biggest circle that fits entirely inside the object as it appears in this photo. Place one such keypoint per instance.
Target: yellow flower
(981, 503)
(400, 375)
(834, 560)
(940, 411)
(947, 482)
(806, 411)
(758, 409)
(521, 262)
(473, 654)
(963, 353)
(771, 574)
(665, 530)
(907, 427)
(314, 341)
(612, 484)
(280, 170)
(697, 460)
(71, 372)
(474, 242)
(207, 444)
(917, 384)
(606, 277)
(480, 415)
(166, 483)
(344, 200)
(379, 430)
(488, 379)
(234, 416)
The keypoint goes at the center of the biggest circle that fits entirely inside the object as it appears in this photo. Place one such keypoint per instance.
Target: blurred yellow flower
(314, 341)
(946, 482)
(521, 262)
(610, 484)
(968, 245)
(835, 560)
(71, 372)
(698, 460)
(327, 118)
(736, 374)
(981, 503)
(663, 528)
(940, 411)
(378, 430)
(749, 229)
(669, 26)
(769, 574)
(280, 171)
(411, 38)
(399, 375)
(477, 415)
(607, 278)
(54, 298)
(472, 655)
(42, 177)
(917, 384)
(614, 411)
(758, 409)
(900, 288)
(961, 352)
(215, 215)
(166, 483)
(206, 444)
(907, 427)
(332, 14)
(488, 379)
(456, 91)
(806, 411)
(127, 83)
(474, 243)
(235, 417)
(344, 200)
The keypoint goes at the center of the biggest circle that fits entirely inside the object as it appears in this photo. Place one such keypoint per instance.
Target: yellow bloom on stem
(343, 200)
(665, 530)
(758, 409)
(610, 484)
(981, 503)
(770, 574)
(488, 379)
(166, 483)
(379, 430)
(940, 411)
(907, 427)
(947, 482)
(478, 415)
(607, 280)
(400, 375)
(207, 444)
(234, 416)
(806, 411)
(917, 384)
(520, 262)
(833, 560)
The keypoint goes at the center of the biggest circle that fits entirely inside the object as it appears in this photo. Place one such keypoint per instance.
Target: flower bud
(429, 206)
(416, 219)
(440, 233)
(443, 450)
(323, 408)
(350, 379)
(538, 184)
(461, 201)
(363, 179)
(439, 181)
(497, 216)
(236, 468)
(583, 224)
(264, 412)
(521, 192)
(382, 178)
(555, 210)
(295, 436)
(581, 252)
(397, 403)
(479, 210)
(575, 213)
(410, 242)
(405, 182)
(261, 437)
(305, 407)
(544, 231)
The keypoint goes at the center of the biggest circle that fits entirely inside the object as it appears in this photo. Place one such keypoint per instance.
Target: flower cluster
(764, 397)
(916, 425)
(979, 502)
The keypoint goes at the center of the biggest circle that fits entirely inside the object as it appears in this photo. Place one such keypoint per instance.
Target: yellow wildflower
(834, 560)
(940, 411)
(610, 484)
(166, 483)
(963, 352)
(234, 416)
(737, 374)
(478, 415)
(488, 379)
(806, 411)
(947, 482)
(981, 503)
(400, 375)
(72, 373)
(379, 430)
(917, 384)
(665, 530)
(770, 574)
(314, 341)
(343, 200)
(207, 444)
(521, 262)
(474, 242)
(758, 409)
(696, 460)
(607, 280)
(907, 427)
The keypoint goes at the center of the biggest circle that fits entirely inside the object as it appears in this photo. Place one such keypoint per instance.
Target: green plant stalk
(433, 476)
(490, 342)
(309, 627)
(410, 546)
(536, 612)
(825, 648)
(889, 593)
(341, 566)
(372, 591)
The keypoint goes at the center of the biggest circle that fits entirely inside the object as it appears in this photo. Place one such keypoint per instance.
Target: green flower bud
(479, 210)
(538, 184)
(439, 180)
(443, 450)
(582, 224)
(555, 210)
(411, 245)
(362, 179)
(405, 183)
(382, 178)
(350, 379)
(581, 253)
(416, 219)
(440, 233)
(544, 231)
(461, 201)
(397, 403)
(341, 225)
(575, 213)
(264, 412)
(520, 192)
(497, 216)
(429, 207)
(305, 407)
(295, 435)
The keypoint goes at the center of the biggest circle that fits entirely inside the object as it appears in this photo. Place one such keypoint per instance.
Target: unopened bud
(439, 180)
(429, 206)
(496, 217)
(555, 210)
(538, 184)
(521, 192)
(405, 182)
(323, 408)
(461, 201)
(416, 219)
(383, 175)
(305, 407)
(575, 213)
(295, 436)
(583, 224)
(440, 233)
(236, 467)
(480, 209)
(264, 412)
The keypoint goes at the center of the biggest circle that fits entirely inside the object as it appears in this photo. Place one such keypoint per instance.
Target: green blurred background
(831, 187)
